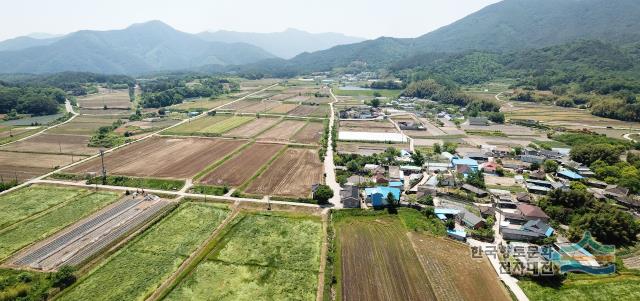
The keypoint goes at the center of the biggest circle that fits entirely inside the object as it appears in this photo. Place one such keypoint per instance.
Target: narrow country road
(329, 166)
(68, 108)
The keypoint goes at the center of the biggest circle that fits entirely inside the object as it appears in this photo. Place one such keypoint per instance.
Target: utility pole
(60, 147)
(104, 171)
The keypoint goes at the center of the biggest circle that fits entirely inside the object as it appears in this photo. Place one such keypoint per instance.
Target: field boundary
(226, 158)
(261, 170)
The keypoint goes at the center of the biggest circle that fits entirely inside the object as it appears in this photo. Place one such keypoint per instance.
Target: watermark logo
(585, 256)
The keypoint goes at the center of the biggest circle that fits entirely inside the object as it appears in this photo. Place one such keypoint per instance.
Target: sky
(362, 18)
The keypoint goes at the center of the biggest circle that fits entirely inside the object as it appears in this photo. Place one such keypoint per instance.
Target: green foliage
(31, 100)
(322, 194)
(162, 92)
(210, 190)
(588, 154)
(418, 158)
(105, 136)
(421, 221)
(64, 277)
(550, 166)
(150, 183)
(475, 178)
(24, 285)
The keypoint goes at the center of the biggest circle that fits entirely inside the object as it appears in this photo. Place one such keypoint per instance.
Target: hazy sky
(364, 18)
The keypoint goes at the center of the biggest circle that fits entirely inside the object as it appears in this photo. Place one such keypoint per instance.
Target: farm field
(31, 230)
(624, 286)
(194, 127)
(262, 106)
(282, 96)
(453, 273)
(290, 175)
(84, 125)
(12, 133)
(283, 131)
(163, 157)
(112, 99)
(28, 201)
(25, 166)
(226, 125)
(368, 126)
(54, 144)
(377, 250)
(253, 128)
(283, 108)
(303, 110)
(366, 149)
(201, 103)
(261, 258)
(134, 272)
(238, 105)
(368, 93)
(240, 168)
(310, 133)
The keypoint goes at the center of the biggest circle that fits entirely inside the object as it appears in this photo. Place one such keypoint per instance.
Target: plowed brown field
(378, 261)
(252, 128)
(291, 175)
(282, 131)
(310, 134)
(176, 158)
(54, 144)
(25, 166)
(237, 170)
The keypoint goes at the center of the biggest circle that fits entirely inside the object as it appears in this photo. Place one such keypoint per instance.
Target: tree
(476, 178)
(550, 166)
(535, 166)
(450, 147)
(375, 102)
(391, 200)
(63, 277)
(322, 194)
(437, 149)
(418, 158)
(353, 166)
(426, 200)
(589, 153)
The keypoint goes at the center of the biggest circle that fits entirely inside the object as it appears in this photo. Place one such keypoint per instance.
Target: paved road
(403, 134)
(123, 145)
(329, 166)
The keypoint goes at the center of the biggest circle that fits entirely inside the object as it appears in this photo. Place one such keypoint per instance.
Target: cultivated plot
(51, 221)
(25, 166)
(261, 258)
(378, 261)
(283, 131)
(243, 166)
(453, 273)
(309, 134)
(291, 175)
(54, 144)
(162, 157)
(134, 272)
(303, 110)
(85, 125)
(200, 103)
(283, 108)
(114, 99)
(253, 128)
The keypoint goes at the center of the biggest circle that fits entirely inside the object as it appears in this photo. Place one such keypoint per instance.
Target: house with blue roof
(568, 174)
(464, 165)
(377, 196)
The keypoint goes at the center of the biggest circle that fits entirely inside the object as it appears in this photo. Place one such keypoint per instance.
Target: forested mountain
(140, 48)
(505, 26)
(286, 44)
(24, 42)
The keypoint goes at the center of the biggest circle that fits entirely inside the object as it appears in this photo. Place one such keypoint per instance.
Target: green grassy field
(192, 127)
(26, 232)
(226, 125)
(26, 202)
(586, 287)
(23, 285)
(261, 258)
(368, 93)
(134, 272)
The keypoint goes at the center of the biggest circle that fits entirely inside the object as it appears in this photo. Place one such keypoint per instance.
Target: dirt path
(323, 254)
(195, 256)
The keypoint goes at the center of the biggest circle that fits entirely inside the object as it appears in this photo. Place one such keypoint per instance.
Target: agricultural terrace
(112, 99)
(25, 166)
(262, 257)
(66, 206)
(54, 144)
(310, 133)
(305, 110)
(210, 125)
(243, 166)
(13, 133)
(134, 272)
(162, 157)
(376, 250)
(252, 128)
(283, 131)
(291, 175)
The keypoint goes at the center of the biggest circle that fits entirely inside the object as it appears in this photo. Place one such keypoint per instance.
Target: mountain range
(506, 26)
(285, 44)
